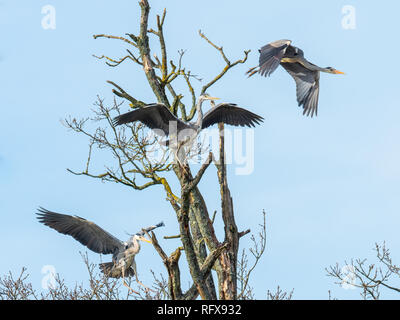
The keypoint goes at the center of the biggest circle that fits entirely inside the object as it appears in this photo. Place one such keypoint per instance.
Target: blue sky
(329, 185)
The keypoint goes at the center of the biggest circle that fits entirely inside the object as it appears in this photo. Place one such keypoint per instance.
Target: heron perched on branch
(304, 73)
(100, 241)
(158, 117)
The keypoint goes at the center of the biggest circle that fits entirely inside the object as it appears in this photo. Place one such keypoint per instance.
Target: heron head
(140, 237)
(333, 70)
(206, 96)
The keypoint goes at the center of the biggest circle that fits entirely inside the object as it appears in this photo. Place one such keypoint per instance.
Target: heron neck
(135, 246)
(199, 121)
(313, 67)
(327, 70)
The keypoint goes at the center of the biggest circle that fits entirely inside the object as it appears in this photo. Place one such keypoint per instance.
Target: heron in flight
(100, 241)
(304, 73)
(163, 122)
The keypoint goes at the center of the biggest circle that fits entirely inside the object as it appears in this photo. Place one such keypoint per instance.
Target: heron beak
(338, 72)
(212, 98)
(145, 240)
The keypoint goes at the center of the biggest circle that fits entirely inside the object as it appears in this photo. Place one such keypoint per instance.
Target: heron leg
(129, 288)
(147, 289)
(252, 71)
(144, 286)
(125, 284)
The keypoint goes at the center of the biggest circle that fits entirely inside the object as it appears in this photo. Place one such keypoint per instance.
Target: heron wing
(271, 55)
(292, 52)
(307, 86)
(154, 116)
(230, 113)
(82, 230)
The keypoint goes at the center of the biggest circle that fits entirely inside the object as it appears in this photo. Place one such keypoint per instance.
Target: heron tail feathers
(106, 268)
(109, 271)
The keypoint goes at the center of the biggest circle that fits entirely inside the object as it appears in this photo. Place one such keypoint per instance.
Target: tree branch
(95, 36)
(144, 48)
(171, 264)
(209, 262)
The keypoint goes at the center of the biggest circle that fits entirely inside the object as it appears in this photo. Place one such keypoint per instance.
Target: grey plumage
(271, 55)
(82, 230)
(305, 74)
(163, 122)
(231, 114)
(154, 116)
(158, 116)
(98, 240)
(307, 87)
(108, 268)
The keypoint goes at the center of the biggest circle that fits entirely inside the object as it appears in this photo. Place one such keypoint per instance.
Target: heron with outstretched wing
(305, 74)
(100, 241)
(158, 117)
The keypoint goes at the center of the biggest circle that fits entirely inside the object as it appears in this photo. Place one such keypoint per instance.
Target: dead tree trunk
(203, 251)
(228, 259)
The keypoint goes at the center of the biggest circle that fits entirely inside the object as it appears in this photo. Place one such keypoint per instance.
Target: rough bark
(203, 251)
(228, 259)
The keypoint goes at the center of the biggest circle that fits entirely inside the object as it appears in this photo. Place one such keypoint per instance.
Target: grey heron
(100, 241)
(158, 117)
(305, 74)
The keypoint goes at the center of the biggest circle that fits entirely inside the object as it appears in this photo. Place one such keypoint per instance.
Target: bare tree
(131, 165)
(99, 287)
(371, 279)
